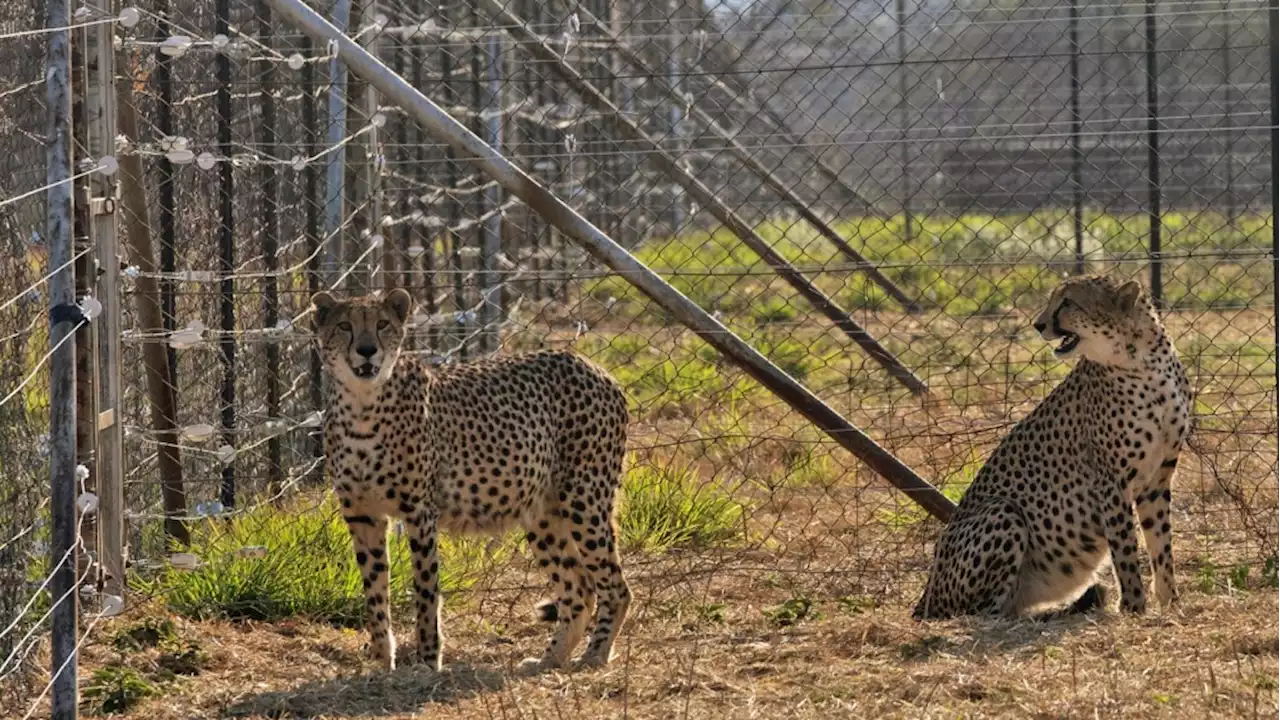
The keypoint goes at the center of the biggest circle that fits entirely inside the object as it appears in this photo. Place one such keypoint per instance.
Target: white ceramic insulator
(108, 166)
(225, 454)
(112, 605)
(206, 161)
(296, 61)
(87, 503)
(184, 561)
(90, 307)
(200, 432)
(176, 45)
(129, 17)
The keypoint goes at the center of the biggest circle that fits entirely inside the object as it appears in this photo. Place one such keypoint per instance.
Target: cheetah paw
(383, 656)
(590, 661)
(431, 661)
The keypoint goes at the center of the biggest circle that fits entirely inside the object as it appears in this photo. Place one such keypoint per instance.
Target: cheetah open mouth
(365, 371)
(1069, 343)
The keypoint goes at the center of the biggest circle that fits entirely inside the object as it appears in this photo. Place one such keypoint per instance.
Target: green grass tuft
(667, 507)
(116, 689)
(308, 568)
(145, 633)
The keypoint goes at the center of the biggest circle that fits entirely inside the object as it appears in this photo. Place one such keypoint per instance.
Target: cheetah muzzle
(535, 441)
(1063, 496)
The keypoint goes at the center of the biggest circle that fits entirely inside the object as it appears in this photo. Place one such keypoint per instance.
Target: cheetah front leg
(424, 543)
(1154, 514)
(369, 539)
(1117, 518)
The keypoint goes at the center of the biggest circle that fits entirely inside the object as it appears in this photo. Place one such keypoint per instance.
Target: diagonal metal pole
(604, 249)
(747, 159)
(730, 81)
(535, 44)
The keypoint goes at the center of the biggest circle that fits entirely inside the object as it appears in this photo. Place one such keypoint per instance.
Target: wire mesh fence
(875, 195)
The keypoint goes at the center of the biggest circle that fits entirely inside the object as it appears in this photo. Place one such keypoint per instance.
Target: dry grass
(808, 616)
(719, 651)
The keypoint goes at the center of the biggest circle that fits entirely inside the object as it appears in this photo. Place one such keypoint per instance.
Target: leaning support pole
(546, 55)
(148, 306)
(747, 159)
(603, 248)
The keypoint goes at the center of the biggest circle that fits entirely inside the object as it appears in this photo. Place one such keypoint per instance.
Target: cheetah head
(1100, 320)
(360, 338)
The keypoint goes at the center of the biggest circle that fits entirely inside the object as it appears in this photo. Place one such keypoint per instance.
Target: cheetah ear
(1129, 294)
(399, 302)
(323, 303)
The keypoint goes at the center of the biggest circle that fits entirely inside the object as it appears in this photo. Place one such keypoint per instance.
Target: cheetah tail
(548, 611)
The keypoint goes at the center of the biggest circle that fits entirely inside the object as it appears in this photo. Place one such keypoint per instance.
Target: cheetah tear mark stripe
(1170, 463)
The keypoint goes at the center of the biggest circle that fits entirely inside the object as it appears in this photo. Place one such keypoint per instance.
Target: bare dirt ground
(734, 653)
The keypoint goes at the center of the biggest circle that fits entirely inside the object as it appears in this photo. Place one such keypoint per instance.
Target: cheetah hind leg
(977, 565)
(604, 568)
(557, 554)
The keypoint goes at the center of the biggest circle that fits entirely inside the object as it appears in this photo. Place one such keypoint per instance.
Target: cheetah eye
(383, 325)
(344, 326)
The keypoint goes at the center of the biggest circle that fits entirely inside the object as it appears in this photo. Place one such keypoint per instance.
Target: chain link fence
(877, 196)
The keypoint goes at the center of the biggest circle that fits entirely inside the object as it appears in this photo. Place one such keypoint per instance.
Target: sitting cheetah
(536, 440)
(1035, 528)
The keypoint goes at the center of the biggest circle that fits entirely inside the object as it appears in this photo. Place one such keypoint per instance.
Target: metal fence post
(227, 254)
(491, 235)
(1273, 20)
(1077, 155)
(900, 9)
(1153, 157)
(269, 231)
(675, 115)
(86, 334)
(63, 539)
(101, 111)
(167, 203)
(317, 234)
(335, 160)
(1228, 106)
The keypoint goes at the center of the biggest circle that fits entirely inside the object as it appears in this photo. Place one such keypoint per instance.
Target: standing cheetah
(1058, 494)
(536, 440)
